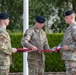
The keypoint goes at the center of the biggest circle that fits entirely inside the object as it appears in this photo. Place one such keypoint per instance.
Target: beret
(67, 13)
(40, 19)
(4, 15)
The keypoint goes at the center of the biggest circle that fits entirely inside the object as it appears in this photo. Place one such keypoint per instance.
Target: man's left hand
(65, 47)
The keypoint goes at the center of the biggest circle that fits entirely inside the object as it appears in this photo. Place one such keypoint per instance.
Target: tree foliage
(14, 8)
(40, 7)
(49, 9)
(46, 8)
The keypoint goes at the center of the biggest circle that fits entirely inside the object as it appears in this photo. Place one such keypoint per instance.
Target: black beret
(4, 15)
(40, 19)
(67, 13)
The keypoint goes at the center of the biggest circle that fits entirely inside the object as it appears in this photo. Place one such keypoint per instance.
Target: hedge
(53, 62)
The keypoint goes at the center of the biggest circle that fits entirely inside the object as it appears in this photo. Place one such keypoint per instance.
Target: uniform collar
(36, 29)
(74, 24)
(2, 27)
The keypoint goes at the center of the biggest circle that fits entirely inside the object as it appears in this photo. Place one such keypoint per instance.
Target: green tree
(48, 9)
(14, 8)
(39, 7)
(74, 5)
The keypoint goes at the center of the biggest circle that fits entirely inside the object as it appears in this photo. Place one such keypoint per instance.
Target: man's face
(39, 25)
(6, 21)
(67, 19)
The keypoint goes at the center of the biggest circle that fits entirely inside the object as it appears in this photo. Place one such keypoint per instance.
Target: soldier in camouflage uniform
(5, 45)
(35, 38)
(69, 43)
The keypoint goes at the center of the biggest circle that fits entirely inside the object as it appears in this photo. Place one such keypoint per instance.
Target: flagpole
(25, 27)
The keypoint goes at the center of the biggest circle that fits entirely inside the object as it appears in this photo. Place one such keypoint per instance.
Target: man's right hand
(14, 50)
(34, 48)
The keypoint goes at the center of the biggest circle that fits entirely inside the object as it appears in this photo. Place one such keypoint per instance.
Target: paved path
(46, 73)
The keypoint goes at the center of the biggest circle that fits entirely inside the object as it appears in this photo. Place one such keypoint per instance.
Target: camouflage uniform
(35, 59)
(69, 56)
(5, 51)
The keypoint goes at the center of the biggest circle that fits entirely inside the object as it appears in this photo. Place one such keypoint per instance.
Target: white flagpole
(25, 26)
